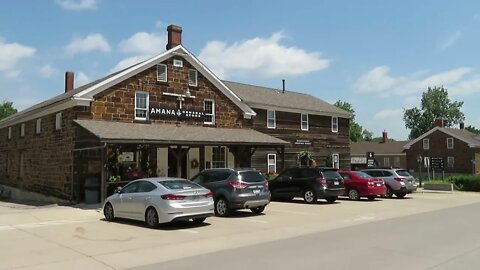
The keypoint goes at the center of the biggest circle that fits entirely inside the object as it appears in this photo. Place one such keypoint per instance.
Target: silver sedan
(160, 200)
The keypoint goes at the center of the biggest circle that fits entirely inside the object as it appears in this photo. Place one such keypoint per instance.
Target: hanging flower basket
(305, 158)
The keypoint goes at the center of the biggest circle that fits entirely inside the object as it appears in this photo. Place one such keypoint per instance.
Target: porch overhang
(168, 134)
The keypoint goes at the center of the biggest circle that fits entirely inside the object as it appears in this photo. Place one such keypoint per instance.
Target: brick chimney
(174, 36)
(69, 78)
(439, 122)
(385, 136)
(462, 125)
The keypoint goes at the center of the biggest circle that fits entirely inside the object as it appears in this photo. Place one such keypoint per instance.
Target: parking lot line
(189, 231)
(292, 212)
(43, 224)
(255, 220)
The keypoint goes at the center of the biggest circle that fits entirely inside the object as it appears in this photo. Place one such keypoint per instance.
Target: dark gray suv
(235, 189)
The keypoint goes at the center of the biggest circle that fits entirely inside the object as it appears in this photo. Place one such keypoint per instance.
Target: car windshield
(251, 176)
(178, 184)
(331, 174)
(362, 175)
(403, 173)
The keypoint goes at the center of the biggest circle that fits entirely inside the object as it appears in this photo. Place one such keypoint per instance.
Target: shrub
(465, 183)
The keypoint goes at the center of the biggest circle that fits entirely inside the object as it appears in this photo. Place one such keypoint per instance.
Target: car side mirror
(118, 189)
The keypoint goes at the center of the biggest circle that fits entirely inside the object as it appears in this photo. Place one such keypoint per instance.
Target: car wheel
(108, 212)
(198, 220)
(221, 207)
(331, 199)
(371, 198)
(353, 194)
(401, 194)
(151, 217)
(258, 210)
(388, 193)
(309, 196)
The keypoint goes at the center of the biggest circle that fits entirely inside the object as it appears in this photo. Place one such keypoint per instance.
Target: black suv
(309, 183)
(235, 189)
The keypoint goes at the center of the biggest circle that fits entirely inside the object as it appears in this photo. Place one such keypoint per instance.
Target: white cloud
(129, 61)
(260, 57)
(450, 41)
(81, 79)
(388, 114)
(78, 4)
(10, 54)
(48, 71)
(91, 42)
(379, 81)
(144, 43)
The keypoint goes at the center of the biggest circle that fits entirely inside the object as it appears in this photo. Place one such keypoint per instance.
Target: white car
(160, 200)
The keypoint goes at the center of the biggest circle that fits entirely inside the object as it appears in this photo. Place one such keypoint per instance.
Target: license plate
(336, 183)
(256, 191)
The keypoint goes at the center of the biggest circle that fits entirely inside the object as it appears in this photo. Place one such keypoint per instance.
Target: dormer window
(192, 77)
(162, 73)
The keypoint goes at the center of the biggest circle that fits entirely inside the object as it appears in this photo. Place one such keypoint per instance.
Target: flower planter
(441, 187)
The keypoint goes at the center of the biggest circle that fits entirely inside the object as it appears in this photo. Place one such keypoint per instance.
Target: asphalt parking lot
(60, 237)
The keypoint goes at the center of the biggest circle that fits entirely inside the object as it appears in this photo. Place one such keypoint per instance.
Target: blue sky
(378, 55)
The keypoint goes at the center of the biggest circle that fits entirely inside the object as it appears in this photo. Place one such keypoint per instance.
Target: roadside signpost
(370, 159)
(436, 164)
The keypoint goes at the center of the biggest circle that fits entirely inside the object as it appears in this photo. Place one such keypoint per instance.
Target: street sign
(370, 159)
(436, 162)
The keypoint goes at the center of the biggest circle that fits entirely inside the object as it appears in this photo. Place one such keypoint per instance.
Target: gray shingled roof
(295, 101)
(379, 148)
(462, 134)
(172, 134)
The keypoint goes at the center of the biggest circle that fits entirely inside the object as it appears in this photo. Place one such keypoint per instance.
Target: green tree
(7, 109)
(355, 128)
(473, 130)
(435, 103)
(367, 135)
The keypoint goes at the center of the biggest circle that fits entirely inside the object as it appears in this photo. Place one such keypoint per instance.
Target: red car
(360, 184)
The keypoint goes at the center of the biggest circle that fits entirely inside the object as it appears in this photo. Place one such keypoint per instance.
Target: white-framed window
(209, 107)
(396, 162)
(336, 161)
(161, 72)
(426, 144)
(272, 163)
(22, 130)
(192, 77)
(58, 121)
(10, 133)
(271, 120)
(304, 122)
(334, 124)
(178, 63)
(38, 126)
(141, 105)
(386, 161)
(450, 162)
(449, 143)
(218, 157)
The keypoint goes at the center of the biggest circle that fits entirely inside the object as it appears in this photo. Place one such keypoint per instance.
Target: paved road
(386, 231)
(443, 239)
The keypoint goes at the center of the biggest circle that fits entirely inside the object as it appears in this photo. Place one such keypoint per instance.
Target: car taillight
(398, 179)
(209, 194)
(322, 181)
(173, 197)
(237, 185)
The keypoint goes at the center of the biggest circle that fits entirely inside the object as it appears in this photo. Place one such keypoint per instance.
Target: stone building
(166, 116)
